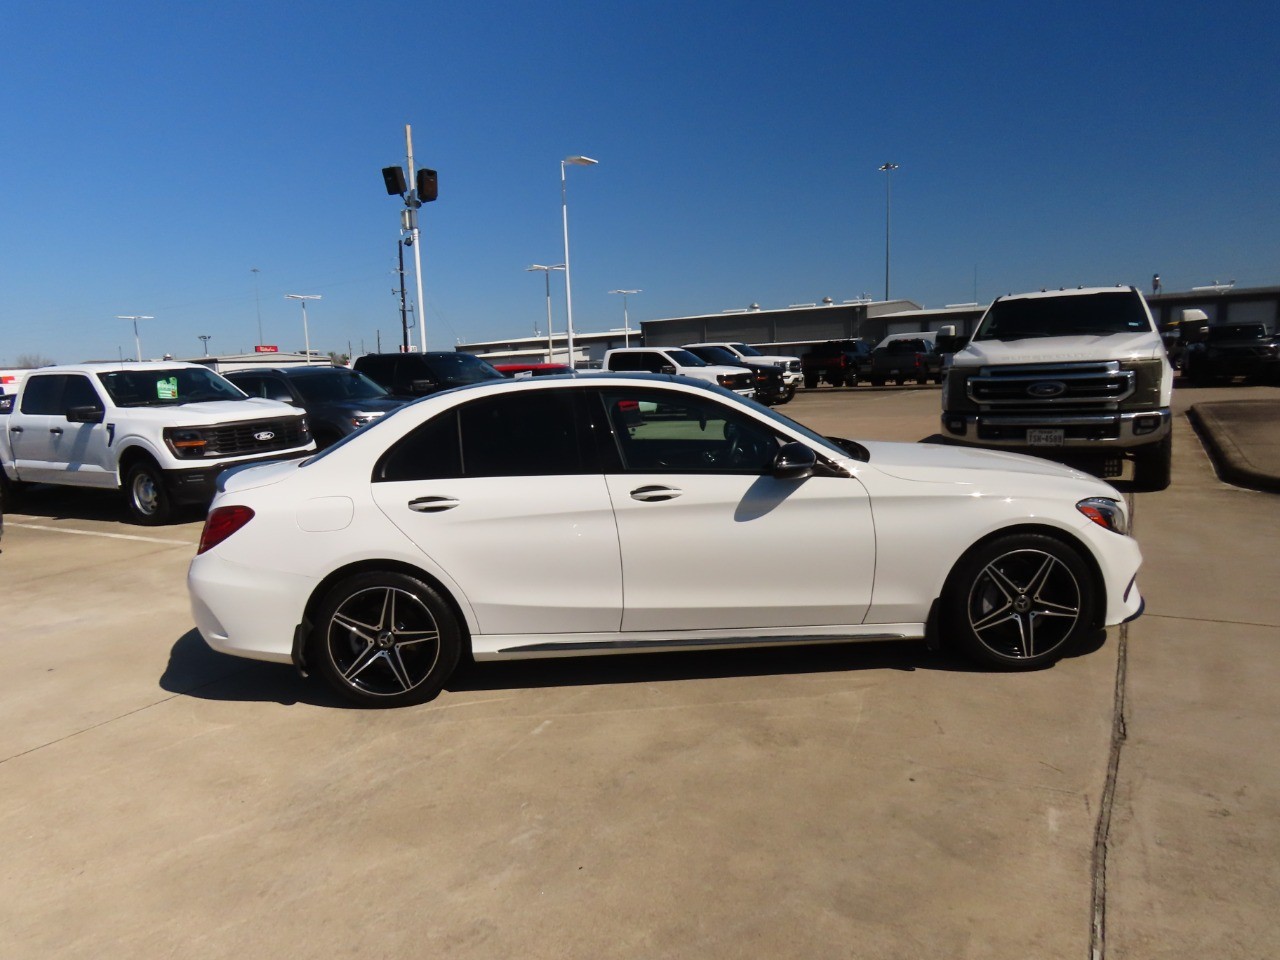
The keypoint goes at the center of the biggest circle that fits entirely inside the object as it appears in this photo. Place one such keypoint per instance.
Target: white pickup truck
(674, 360)
(161, 432)
(1066, 374)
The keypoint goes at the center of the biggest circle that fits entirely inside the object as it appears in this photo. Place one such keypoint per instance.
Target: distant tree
(34, 360)
(338, 359)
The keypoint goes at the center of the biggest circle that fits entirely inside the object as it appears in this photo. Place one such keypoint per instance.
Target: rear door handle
(655, 493)
(15, 429)
(432, 504)
(57, 431)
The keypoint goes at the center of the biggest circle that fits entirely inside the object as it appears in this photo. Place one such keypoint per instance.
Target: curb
(1232, 463)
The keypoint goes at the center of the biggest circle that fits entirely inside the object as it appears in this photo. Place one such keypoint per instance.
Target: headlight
(187, 444)
(1105, 513)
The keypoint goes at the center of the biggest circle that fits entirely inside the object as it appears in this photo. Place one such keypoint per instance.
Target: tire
(788, 396)
(900, 381)
(922, 381)
(1153, 465)
(877, 382)
(1019, 602)
(810, 381)
(10, 491)
(851, 378)
(385, 639)
(145, 496)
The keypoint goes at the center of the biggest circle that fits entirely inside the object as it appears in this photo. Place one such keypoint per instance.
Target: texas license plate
(1045, 437)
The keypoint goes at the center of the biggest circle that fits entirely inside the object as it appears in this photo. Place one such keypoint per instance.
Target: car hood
(939, 463)
(211, 411)
(1116, 346)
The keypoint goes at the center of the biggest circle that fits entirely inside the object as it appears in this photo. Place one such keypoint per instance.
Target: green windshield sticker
(167, 389)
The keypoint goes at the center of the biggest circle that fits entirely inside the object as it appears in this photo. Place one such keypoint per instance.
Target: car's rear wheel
(146, 498)
(385, 639)
(1019, 602)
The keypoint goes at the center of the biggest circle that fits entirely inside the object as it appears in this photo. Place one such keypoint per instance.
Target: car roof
(303, 371)
(113, 366)
(1067, 292)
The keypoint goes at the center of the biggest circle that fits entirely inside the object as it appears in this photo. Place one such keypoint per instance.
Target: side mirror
(86, 414)
(794, 461)
(948, 331)
(668, 369)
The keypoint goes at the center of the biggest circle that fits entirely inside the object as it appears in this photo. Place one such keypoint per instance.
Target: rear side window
(42, 396)
(526, 434)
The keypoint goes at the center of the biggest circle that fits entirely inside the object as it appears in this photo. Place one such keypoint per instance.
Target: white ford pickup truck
(1067, 374)
(161, 432)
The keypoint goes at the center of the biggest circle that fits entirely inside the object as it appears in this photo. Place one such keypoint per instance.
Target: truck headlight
(186, 444)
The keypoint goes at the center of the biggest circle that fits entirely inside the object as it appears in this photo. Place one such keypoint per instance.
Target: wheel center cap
(1022, 604)
(385, 640)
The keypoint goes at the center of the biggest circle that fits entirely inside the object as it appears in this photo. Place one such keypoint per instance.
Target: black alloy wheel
(1020, 601)
(385, 639)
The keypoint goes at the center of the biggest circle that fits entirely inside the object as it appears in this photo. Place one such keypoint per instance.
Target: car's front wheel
(1019, 601)
(385, 639)
(146, 498)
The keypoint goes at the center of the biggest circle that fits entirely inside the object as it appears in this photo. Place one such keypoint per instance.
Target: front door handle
(432, 504)
(655, 493)
(15, 429)
(56, 431)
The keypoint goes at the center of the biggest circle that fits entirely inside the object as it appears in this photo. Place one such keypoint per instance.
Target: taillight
(221, 523)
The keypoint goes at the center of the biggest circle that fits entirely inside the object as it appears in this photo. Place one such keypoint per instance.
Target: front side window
(79, 392)
(659, 432)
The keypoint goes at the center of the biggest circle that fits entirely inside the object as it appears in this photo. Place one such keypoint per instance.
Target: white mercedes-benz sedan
(563, 516)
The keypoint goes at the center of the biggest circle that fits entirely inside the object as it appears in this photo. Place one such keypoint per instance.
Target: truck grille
(1033, 387)
(237, 439)
(738, 381)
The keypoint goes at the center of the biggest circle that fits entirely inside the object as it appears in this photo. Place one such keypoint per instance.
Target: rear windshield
(746, 350)
(906, 346)
(1099, 314)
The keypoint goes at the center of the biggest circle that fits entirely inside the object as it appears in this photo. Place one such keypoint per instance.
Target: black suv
(413, 375)
(338, 401)
(1233, 350)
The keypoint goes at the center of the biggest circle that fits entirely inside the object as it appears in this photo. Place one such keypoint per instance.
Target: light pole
(546, 274)
(564, 212)
(137, 344)
(306, 333)
(257, 302)
(626, 323)
(204, 338)
(887, 169)
(424, 190)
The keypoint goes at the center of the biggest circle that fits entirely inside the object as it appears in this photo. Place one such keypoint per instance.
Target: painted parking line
(94, 533)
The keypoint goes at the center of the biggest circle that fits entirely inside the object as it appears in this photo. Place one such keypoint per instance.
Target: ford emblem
(264, 435)
(1046, 389)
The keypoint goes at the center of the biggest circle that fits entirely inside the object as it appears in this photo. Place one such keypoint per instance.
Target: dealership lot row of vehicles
(579, 514)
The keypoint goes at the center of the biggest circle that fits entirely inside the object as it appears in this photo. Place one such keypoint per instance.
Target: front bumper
(1116, 431)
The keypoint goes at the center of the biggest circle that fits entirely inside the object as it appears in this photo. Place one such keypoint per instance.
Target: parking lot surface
(158, 799)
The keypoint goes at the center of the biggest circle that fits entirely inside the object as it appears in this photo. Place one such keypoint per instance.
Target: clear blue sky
(152, 153)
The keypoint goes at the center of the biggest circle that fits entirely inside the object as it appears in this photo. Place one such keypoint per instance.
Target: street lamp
(626, 323)
(137, 344)
(887, 169)
(546, 273)
(564, 211)
(306, 333)
(204, 338)
(257, 302)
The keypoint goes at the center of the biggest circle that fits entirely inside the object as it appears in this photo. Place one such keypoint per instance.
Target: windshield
(456, 369)
(828, 444)
(683, 358)
(718, 355)
(747, 351)
(337, 385)
(1098, 314)
(165, 386)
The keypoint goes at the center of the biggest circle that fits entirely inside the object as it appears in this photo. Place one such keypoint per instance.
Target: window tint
(41, 395)
(79, 392)
(659, 432)
(627, 361)
(430, 452)
(521, 435)
(525, 434)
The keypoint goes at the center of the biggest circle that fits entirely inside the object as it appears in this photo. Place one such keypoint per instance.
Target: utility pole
(423, 190)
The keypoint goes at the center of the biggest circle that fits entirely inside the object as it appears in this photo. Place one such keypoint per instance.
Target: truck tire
(146, 497)
(810, 381)
(1153, 465)
(851, 378)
